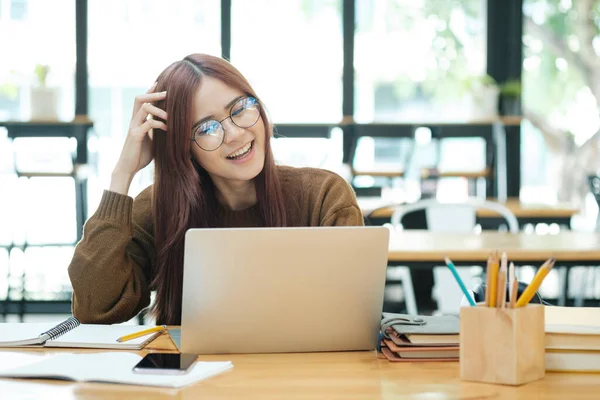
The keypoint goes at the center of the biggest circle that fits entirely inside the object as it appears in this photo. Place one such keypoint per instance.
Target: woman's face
(241, 156)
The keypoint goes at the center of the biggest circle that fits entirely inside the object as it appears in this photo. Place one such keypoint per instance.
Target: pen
(535, 284)
(460, 282)
(141, 333)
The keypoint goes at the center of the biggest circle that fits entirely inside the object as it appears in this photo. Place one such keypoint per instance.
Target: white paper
(11, 360)
(112, 367)
(573, 329)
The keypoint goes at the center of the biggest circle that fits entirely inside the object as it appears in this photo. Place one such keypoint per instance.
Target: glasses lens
(209, 135)
(245, 112)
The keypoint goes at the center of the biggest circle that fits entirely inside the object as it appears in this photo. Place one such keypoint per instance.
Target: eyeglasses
(210, 135)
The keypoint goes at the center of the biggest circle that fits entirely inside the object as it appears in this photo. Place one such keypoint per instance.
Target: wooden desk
(532, 213)
(567, 247)
(356, 375)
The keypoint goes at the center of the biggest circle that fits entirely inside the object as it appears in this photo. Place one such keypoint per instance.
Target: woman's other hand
(137, 150)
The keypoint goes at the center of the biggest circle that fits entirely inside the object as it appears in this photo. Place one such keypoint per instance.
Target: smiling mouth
(240, 153)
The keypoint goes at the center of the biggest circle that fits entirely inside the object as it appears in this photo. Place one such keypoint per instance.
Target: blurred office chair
(453, 218)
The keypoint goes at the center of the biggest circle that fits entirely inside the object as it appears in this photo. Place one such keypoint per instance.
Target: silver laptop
(268, 290)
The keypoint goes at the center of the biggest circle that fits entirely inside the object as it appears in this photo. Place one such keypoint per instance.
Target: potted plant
(510, 97)
(481, 98)
(44, 99)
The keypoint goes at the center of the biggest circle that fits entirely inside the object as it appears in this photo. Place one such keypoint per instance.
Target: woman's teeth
(241, 152)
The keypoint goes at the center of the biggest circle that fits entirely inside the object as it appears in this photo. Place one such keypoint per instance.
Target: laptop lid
(263, 290)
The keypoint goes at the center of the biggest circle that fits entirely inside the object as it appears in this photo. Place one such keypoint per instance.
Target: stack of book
(572, 339)
(419, 338)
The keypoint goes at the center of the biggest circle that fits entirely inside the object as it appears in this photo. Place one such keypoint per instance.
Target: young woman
(209, 136)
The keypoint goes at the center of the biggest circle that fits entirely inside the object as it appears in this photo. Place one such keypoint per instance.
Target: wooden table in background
(567, 247)
(356, 375)
(527, 213)
(424, 249)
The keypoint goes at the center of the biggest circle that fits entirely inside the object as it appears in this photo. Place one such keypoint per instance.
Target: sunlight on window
(560, 99)
(28, 38)
(413, 56)
(144, 38)
(292, 54)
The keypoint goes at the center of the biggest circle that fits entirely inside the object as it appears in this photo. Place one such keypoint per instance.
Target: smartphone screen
(165, 363)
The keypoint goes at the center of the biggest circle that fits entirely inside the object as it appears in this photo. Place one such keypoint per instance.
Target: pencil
(141, 333)
(513, 286)
(488, 280)
(493, 280)
(460, 282)
(535, 284)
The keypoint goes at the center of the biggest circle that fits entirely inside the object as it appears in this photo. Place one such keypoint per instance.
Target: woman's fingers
(146, 110)
(149, 109)
(143, 129)
(147, 98)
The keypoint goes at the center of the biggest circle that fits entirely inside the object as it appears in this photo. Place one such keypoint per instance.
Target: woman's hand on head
(137, 150)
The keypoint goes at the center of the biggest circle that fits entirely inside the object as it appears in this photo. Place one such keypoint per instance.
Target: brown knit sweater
(110, 269)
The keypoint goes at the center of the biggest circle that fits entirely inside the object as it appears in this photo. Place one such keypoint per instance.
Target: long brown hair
(183, 194)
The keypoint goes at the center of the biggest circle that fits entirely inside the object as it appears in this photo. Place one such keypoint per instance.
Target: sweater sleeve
(339, 207)
(110, 268)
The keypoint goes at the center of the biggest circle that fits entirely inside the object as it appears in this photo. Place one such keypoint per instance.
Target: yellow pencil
(141, 333)
(494, 281)
(501, 287)
(488, 280)
(535, 283)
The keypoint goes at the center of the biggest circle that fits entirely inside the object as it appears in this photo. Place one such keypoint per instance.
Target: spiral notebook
(71, 333)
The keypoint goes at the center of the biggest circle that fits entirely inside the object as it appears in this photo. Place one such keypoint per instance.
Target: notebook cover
(401, 340)
(392, 346)
(394, 357)
(572, 342)
(434, 325)
(23, 334)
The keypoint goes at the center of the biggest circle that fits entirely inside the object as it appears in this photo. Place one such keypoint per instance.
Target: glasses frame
(193, 138)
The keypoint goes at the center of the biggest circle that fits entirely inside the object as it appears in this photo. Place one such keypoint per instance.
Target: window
(412, 57)
(18, 10)
(412, 61)
(291, 52)
(560, 98)
(29, 27)
(143, 39)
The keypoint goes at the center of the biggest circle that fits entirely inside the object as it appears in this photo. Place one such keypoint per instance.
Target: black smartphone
(165, 363)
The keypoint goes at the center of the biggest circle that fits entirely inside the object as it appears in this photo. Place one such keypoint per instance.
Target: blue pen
(460, 282)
